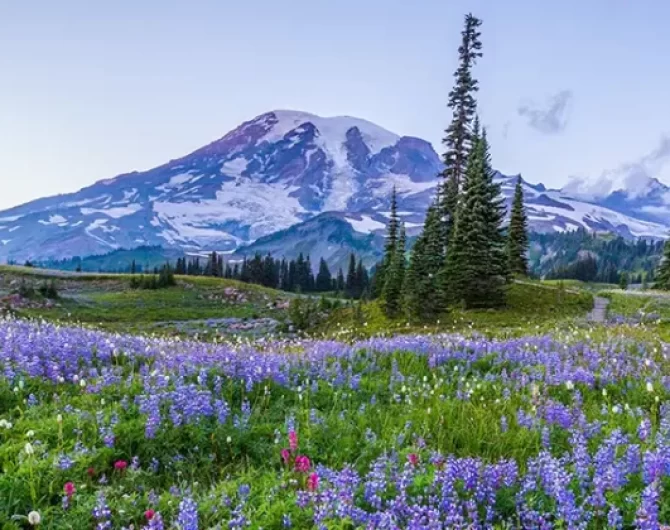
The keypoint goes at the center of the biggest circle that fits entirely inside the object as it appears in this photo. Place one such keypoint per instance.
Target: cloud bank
(637, 177)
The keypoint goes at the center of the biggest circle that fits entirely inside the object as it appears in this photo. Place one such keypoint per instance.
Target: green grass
(110, 303)
(531, 308)
(577, 284)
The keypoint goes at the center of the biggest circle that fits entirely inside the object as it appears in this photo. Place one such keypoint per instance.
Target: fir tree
(362, 280)
(323, 277)
(517, 234)
(475, 269)
(421, 296)
(351, 288)
(458, 136)
(389, 248)
(391, 296)
(340, 281)
(663, 272)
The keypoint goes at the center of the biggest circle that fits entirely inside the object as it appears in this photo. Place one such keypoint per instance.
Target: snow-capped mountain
(279, 170)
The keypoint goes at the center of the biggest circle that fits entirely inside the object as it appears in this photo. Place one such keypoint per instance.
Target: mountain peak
(332, 130)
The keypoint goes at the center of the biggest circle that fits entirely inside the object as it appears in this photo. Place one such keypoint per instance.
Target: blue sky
(569, 89)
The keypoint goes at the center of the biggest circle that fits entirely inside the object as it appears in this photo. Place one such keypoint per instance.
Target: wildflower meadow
(103, 431)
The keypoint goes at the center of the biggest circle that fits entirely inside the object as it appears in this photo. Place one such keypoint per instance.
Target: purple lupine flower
(644, 430)
(101, 513)
(646, 517)
(187, 519)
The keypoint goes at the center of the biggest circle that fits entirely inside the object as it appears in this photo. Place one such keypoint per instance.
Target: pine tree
(362, 280)
(340, 281)
(462, 102)
(391, 297)
(352, 280)
(389, 248)
(663, 272)
(476, 265)
(421, 296)
(323, 277)
(133, 267)
(517, 235)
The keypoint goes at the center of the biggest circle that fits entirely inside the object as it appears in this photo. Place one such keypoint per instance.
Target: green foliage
(422, 293)
(163, 280)
(304, 312)
(476, 266)
(531, 307)
(25, 289)
(663, 275)
(48, 289)
(324, 281)
(390, 250)
(517, 235)
(458, 136)
(394, 276)
(593, 257)
(623, 281)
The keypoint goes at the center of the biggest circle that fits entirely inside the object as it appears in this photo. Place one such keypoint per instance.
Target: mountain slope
(270, 173)
(279, 170)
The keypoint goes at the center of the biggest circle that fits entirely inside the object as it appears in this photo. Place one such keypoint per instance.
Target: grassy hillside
(108, 301)
(531, 307)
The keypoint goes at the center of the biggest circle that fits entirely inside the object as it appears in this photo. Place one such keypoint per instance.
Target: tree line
(294, 275)
(581, 255)
(464, 256)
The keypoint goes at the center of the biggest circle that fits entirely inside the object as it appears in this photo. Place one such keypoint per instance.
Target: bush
(304, 313)
(49, 290)
(26, 290)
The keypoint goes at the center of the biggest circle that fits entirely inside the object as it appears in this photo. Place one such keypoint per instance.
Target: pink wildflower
(302, 464)
(120, 465)
(413, 459)
(285, 456)
(313, 482)
(149, 514)
(293, 441)
(69, 489)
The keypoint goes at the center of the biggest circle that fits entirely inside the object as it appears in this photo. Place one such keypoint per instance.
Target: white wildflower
(34, 518)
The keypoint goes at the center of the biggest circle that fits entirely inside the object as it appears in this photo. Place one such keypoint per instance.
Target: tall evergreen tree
(379, 280)
(421, 296)
(362, 280)
(391, 296)
(351, 288)
(663, 272)
(475, 269)
(517, 234)
(462, 102)
(323, 277)
(340, 281)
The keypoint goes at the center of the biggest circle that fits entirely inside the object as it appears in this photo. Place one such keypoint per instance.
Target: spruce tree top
(462, 102)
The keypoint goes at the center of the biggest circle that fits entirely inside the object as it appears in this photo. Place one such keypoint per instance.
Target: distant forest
(583, 256)
(575, 255)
